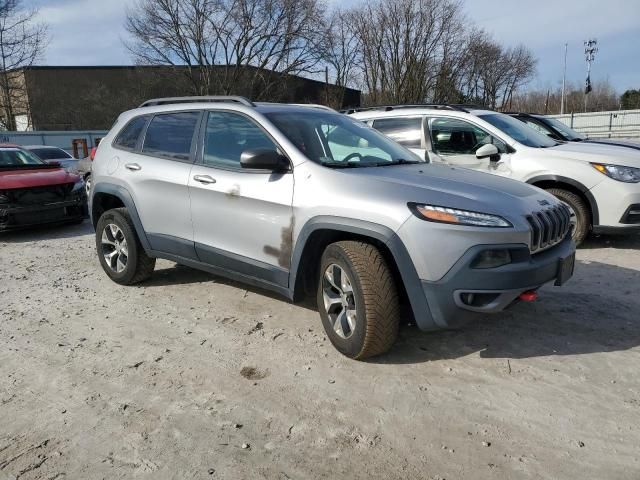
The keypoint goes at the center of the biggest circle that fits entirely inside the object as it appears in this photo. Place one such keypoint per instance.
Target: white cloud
(85, 32)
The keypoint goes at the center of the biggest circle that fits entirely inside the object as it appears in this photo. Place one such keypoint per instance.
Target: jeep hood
(444, 179)
(596, 153)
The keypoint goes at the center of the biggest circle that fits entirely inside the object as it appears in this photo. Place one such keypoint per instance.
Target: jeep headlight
(435, 213)
(619, 172)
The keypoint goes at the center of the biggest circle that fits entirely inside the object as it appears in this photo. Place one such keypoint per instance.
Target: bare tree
(547, 101)
(402, 46)
(22, 42)
(339, 47)
(227, 45)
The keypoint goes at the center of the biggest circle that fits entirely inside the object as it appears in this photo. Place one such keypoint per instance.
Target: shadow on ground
(183, 275)
(580, 318)
(628, 241)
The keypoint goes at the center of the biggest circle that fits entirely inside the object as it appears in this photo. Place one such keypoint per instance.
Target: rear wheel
(357, 299)
(580, 215)
(119, 250)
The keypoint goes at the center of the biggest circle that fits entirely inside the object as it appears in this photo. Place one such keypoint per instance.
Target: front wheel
(121, 255)
(357, 299)
(580, 216)
(87, 184)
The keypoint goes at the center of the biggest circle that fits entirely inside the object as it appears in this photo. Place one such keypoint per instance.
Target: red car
(33, 192)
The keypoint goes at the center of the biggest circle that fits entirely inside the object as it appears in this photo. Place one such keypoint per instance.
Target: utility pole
(564, 79)
(590, 50)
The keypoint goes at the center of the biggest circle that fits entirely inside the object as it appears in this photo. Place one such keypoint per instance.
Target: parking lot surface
(193, 376)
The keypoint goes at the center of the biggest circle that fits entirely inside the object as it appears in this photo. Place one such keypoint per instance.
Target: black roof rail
(211, 98)
(472, 106)
(388, 108)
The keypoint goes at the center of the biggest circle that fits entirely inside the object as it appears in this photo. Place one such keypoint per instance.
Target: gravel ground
(192, 376)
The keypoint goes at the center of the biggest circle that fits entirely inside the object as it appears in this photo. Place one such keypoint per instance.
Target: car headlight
(435, 213)
(619, 172)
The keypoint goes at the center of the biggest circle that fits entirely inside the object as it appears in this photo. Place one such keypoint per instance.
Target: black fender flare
(404, 264)
(577, 185)
(126, 198)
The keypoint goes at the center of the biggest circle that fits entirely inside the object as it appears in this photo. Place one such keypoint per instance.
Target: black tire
(583, 215)
(374, 295)
(139, 266)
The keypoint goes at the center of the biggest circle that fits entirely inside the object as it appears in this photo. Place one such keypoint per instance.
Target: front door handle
(204, 179)
(134, 167)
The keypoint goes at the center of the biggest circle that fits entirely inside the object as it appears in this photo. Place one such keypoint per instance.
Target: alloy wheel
(573, 218)
(114, 248)
(339, 300)
(87, 184)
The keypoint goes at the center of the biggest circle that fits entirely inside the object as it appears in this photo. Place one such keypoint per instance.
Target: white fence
(613, 124)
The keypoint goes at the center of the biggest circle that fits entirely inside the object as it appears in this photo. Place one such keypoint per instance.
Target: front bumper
(615, 201)
(492, 289)
(14, 218)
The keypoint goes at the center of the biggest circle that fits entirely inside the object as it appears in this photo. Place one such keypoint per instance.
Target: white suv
(600, 183)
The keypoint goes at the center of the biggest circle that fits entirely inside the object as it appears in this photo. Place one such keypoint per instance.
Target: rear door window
(171, 135)
(128, 137)
(406, 131)
(451, 136)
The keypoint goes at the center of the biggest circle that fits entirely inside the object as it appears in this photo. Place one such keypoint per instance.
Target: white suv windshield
(519, 131)
(335, 140)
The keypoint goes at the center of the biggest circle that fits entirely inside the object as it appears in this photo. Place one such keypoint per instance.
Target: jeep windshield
(518, 130)
(337, 141)
(13, 158)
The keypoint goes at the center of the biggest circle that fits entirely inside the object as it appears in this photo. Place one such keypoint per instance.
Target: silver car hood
(449, 186)
(446, 179)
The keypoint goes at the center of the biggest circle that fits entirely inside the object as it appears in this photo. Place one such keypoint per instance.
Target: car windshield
(50, 153)
(338, 141)
(519, 131)
(566, 131)
(18, 158)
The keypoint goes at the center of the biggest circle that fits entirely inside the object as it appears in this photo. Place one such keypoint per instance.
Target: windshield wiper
(340, 164)
(400, 161)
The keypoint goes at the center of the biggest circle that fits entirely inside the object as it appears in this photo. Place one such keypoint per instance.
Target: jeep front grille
(549, 226)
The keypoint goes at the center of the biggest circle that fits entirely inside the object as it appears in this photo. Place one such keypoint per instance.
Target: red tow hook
(529, 296)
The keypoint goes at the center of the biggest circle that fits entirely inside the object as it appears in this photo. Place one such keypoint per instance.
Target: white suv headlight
(619, 172)
(434, 213)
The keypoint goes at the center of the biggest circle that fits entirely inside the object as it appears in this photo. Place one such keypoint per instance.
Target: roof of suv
(234, 103)
(401, 110)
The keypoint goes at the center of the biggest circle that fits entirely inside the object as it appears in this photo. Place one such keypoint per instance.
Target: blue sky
(90, 32)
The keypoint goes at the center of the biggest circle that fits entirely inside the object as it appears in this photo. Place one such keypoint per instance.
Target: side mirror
(488, 151)
(54, 163)
(264, 159)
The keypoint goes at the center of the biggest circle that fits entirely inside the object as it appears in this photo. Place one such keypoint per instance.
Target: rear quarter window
(128, 137)
(171, 135)
(406, 131)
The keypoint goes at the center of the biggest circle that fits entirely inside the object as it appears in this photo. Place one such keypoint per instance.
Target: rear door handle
(134, 167)
(204, 179)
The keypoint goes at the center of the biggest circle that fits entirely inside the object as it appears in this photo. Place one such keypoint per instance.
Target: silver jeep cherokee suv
(303, 200)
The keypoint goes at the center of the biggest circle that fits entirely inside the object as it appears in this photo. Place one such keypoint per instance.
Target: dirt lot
(191, 376)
